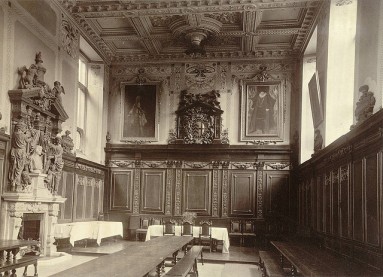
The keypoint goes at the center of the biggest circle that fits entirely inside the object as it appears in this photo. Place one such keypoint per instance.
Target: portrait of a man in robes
(262, 110)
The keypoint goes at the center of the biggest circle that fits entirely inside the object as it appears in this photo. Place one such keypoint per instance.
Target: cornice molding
(215, 56)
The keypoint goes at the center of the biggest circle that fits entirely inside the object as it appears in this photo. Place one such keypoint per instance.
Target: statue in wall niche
(365, 105)
(36, 164)
(318, 141)
(26, 180)
(18, 157)
(54, 164)
(57, 90)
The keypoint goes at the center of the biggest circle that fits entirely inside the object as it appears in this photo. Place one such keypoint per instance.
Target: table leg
(282, 262)
(25, 271)
(175, 254)
(158, 269)
(13, 273)
(293, 271)
(35, 266)
(195, 267)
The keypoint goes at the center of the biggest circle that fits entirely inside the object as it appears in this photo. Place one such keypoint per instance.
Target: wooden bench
(309, 260)
(187, 264)
(270, 264)
(9, 253)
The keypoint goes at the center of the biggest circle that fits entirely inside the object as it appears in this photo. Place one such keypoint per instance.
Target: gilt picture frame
(140, 112)
(262, 111)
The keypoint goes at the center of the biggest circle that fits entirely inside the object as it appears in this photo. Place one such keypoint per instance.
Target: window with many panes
(82, 94)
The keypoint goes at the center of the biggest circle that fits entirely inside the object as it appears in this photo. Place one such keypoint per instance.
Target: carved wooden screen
(198, 119)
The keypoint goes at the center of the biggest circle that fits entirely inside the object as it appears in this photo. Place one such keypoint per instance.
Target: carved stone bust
(365, 105)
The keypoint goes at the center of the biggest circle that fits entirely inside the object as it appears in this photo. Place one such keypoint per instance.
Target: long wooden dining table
(135, 261)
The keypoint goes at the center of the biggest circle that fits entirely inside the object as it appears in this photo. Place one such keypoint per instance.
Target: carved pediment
(41, 100)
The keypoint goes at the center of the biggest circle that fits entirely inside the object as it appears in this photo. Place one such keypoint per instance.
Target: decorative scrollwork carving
(261, 142)
(69, 38)
(198, 119)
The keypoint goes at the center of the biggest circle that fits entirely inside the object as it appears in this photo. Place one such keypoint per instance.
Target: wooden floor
(236, 254)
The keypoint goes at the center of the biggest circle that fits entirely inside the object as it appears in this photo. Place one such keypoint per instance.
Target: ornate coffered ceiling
(176, 30)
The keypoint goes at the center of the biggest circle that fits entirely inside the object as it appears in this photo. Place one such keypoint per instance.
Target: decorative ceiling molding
(156, 31)
(167, 58)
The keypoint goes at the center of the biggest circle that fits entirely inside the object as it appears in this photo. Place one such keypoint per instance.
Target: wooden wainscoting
(197, 191)
(218, 182)
(153, 191)
(82, 183)
(243, 191)
(276, 192)
(340, 193)
(122, 190)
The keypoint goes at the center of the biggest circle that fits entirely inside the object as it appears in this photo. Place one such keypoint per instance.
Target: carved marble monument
(35, 159)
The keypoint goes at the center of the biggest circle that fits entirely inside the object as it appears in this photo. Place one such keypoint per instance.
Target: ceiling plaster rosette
(195, 28)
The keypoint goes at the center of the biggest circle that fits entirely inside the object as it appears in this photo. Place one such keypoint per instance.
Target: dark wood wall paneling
(215, 181)
(82, 183)
(340, 193)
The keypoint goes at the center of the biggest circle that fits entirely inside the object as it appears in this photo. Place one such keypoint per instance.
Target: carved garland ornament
(177, 202)
(225, 194)
(168, 196)
(69, 38)
(260, 193)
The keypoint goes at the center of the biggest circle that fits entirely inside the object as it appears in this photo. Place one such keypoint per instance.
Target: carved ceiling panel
(174, 30)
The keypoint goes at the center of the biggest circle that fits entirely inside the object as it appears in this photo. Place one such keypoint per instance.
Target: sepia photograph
(204, 138)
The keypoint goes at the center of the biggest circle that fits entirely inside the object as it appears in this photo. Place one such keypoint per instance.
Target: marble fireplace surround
(38, 201)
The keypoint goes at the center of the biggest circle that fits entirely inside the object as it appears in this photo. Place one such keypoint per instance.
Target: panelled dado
(215, 181)
(340, 193)
(83, 186)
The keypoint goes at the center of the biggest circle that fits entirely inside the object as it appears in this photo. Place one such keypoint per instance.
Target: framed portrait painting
(262, 111)
(140, 112)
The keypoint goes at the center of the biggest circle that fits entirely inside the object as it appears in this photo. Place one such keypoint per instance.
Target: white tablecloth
(108, 229)
(88, 230)
(216, 233)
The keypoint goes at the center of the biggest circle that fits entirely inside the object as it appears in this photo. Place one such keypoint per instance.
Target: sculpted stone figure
(67, 142)
(18, 157)
(36, 160)
(24, 81)
(57, 90)
(55, 164)
(365, 105)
